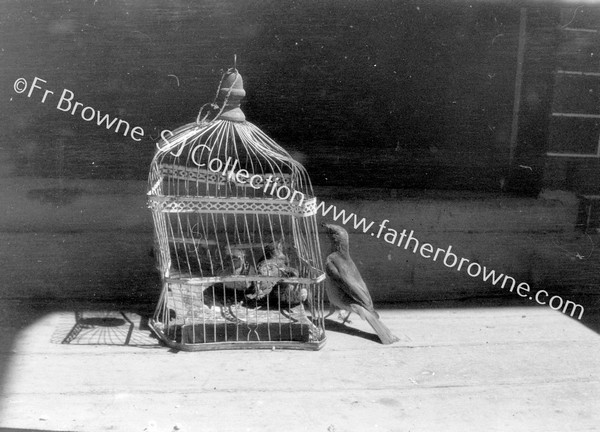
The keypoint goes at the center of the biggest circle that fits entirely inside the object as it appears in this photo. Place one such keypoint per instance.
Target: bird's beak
(324, 224)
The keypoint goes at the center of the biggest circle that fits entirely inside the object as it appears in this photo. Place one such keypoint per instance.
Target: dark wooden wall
(411, 94)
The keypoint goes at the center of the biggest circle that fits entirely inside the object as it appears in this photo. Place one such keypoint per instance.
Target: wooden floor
(472, 369)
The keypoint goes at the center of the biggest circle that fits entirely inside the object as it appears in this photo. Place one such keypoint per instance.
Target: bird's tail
(384, 333)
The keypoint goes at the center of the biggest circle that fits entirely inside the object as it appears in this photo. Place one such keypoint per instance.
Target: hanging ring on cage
(202, 120)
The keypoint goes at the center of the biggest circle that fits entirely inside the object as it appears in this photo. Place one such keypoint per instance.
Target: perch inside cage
(236, 236)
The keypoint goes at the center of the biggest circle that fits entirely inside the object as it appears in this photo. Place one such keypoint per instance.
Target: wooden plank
(578, 115)
(476, 369)
(518, 85)
(580, 30)
(528, 408)
(574, 133)
(578, 73)
(575, 155)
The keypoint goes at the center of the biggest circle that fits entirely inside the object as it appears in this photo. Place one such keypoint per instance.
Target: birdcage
(236, 237)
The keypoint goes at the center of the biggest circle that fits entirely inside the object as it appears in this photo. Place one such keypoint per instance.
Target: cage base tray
(223, 336)
(193, 326)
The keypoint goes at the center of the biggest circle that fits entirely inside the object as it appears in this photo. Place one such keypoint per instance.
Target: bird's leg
(331, 311)
(346, 319)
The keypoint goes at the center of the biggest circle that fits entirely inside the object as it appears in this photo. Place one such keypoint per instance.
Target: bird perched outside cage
(345, 287)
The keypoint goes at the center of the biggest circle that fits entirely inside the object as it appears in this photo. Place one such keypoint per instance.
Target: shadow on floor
(338, 327)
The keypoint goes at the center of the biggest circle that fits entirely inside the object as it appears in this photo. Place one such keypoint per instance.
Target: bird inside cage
(235, 264)
(276, 263)
(273, 263)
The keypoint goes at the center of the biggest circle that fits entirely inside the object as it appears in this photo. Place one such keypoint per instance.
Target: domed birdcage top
(228, 153)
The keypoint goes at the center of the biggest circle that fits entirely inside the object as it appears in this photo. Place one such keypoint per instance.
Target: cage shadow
(103, 328)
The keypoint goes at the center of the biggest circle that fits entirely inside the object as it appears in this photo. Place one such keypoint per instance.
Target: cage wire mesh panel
(236, 236)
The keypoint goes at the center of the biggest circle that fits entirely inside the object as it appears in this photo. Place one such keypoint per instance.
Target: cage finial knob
(231, 94)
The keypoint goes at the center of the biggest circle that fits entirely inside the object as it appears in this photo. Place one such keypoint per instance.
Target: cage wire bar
(236, 237)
